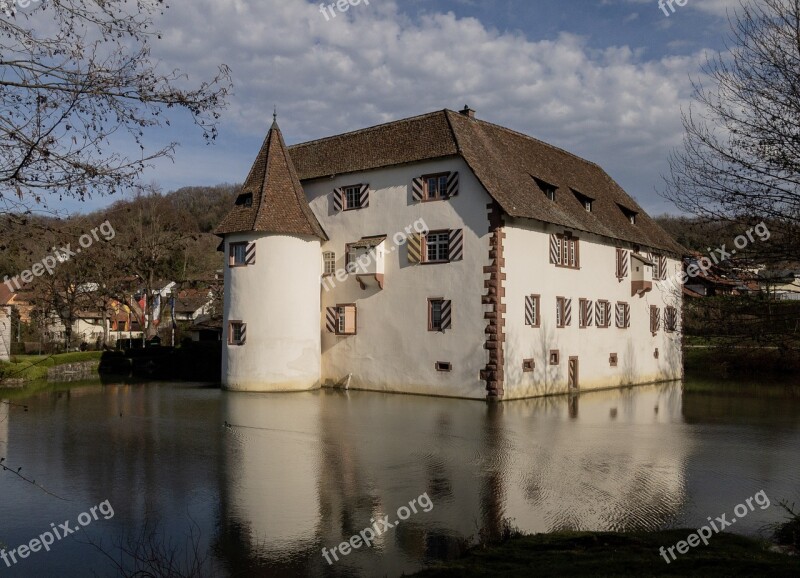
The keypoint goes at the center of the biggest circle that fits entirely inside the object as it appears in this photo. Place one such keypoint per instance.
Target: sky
(604, 79)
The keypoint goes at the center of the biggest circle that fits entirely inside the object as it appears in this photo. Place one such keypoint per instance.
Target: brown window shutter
(447, 314)
(330, 319)
(414, 245)
(456, 245)
(567, 312)
(364, 196)
(662, 267)
(250, 254)
(417, 189)
(338, 202)
(452, 184)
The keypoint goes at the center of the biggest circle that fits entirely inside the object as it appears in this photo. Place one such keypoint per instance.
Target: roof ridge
(367, 129)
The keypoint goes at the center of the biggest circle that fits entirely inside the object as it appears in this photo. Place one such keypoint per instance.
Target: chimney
(468, 112)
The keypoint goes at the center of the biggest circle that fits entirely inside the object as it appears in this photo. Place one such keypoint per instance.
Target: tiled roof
(508, 165)
(278, 203)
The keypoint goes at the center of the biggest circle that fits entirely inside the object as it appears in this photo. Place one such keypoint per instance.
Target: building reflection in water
(305, 471)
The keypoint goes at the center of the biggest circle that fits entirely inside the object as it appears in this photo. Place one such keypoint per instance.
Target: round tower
(271, 240)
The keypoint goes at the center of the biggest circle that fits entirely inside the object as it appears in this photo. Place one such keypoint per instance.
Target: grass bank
(616, 554)
(33, 367)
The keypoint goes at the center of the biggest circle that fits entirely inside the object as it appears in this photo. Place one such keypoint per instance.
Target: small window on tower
(237, 333)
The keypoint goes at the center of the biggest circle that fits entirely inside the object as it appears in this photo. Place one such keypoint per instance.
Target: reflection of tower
(271, 328)
(5, 333)
(271, 470)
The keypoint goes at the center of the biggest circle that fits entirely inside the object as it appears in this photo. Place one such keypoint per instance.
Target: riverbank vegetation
(34, 367)
(616, 554)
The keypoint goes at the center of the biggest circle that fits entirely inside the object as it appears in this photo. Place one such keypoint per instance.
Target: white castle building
(443, 255)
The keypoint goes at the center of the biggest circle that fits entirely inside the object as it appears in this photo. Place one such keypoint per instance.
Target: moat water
(260, 484)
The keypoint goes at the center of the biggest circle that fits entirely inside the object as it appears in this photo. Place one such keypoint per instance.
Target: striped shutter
(456, 245)
(622, 263)
(452, 185)
(364, 196)
(567, 312)
(330, 319)
(555, 249)
(590, 313)
(620, 316)
(530, 310)
(662, 267)
(447, 314)
(337, 200)
(242, 333)
(627, 318)
(414, 244)
(250, 254)
(417, 189)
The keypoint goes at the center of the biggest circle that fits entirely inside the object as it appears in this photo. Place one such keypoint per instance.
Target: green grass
(32, 367)
(614, 554)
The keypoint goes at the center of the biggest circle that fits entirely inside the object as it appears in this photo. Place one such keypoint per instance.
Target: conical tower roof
(272, 199)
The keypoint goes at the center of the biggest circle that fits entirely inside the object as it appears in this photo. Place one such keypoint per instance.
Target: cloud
(372, 65)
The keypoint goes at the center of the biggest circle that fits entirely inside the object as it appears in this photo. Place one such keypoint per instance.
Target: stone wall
(73, 371)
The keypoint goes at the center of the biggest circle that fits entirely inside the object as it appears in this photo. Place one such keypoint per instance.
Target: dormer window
(630, 214)
(584, 200)
(548, 189)
(244, 200)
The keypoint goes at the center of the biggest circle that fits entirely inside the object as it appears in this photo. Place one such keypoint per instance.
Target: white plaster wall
(529, 272)
(393, 350)
(279, 299)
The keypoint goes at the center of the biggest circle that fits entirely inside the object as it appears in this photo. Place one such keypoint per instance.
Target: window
(244, 200)
(528, 365)
(659, 267)
(586, 202)
(237, 333)
(329, 262)
(622, 263)
(630, 214)
(623, 315)
(437, 247)
(435, 186)
(670, 319)
(341, 319)
(439, 315)
(532, 305)
(655, 319)
(563, 312)
(555, 357)
(241, 254)
(346, 318)
(352, 197)
(603, 313)
(565, 251)
(612, 360)
(586, 313)
(444, 366)
(548, 189)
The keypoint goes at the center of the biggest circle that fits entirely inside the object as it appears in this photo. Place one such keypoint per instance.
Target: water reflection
(305, 471)
(272, 479)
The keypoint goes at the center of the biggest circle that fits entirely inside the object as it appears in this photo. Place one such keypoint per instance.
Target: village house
(534, 273)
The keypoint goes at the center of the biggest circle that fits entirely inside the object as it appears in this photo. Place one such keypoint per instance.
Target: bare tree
(75, 74)
(740, 160)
